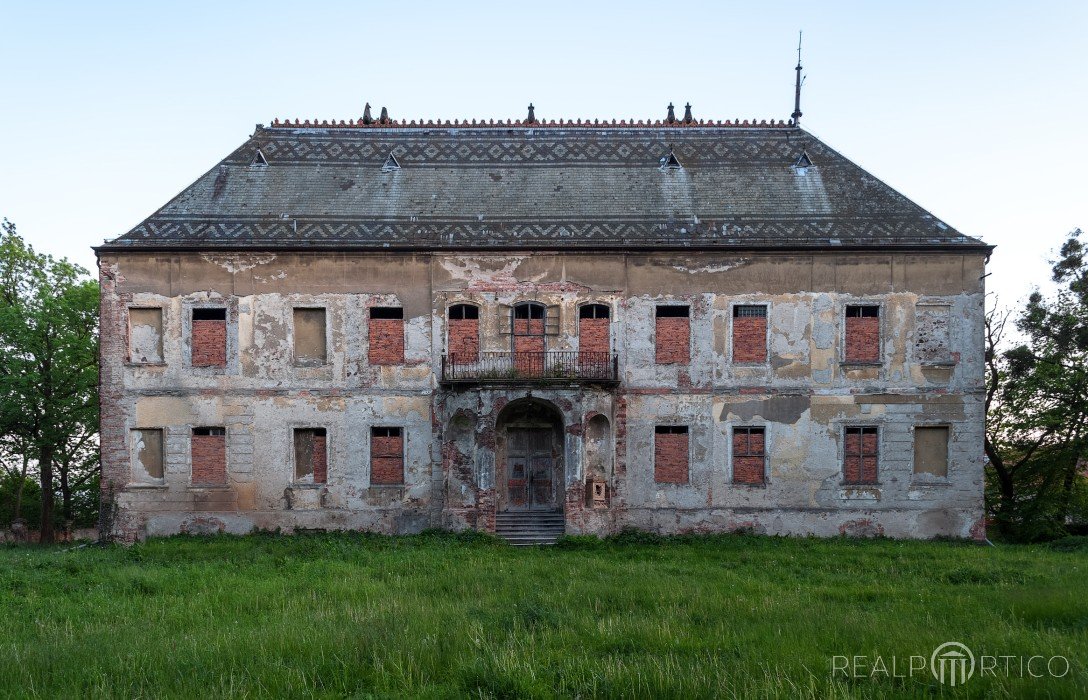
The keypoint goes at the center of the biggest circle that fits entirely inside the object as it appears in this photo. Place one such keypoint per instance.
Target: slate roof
(395, 185)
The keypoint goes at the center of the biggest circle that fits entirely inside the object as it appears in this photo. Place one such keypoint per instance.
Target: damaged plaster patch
(472, 270)
(786, 409)
(710, 268)
(238, 262)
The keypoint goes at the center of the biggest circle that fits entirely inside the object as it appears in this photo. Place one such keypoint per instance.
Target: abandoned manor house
(535, 327)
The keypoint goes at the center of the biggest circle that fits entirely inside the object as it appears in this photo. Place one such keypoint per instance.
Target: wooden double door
(531, 481)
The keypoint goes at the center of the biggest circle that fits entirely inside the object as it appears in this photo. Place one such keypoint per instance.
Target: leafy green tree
(48, 367)
(1037, 400)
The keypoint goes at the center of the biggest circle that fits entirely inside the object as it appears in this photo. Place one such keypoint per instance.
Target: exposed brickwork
(529, 337)
(464, 339)
(860, 460)
(671, 458)
(321, 459)
(672, 340)
(748, 457)
(862, 339)
(750, 339)
(209, 343)
(386, 460)
(386, 341)
(593, 335)
(209, 460)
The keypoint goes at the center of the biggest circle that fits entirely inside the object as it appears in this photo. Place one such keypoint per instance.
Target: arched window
(463, 334)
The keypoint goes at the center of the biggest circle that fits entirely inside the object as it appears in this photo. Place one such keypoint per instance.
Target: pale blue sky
(972, 109)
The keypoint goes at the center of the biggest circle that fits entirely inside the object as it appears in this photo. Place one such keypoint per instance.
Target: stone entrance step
(528, 528)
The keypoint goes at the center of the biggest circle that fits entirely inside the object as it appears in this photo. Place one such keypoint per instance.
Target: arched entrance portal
(530, 456)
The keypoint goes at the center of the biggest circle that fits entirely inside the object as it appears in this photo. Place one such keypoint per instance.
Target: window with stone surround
(671, 454)
(209, 337)
(463, 334)
(209, 456)
(148, 455)
(386, 335)
(862, 337)
(931, 450)
(749, 458)
(310, 334)
(672, 334)
(386, 456)
(594, 334)
(145, 335)
(749, 333)
(311, 455)
(861, 455)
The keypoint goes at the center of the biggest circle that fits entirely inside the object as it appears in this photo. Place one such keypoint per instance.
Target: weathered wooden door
(530, 469)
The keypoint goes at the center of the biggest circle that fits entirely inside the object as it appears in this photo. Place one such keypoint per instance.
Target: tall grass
(447, 616)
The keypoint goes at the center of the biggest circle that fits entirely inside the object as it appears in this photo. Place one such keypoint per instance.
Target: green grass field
(447, 616)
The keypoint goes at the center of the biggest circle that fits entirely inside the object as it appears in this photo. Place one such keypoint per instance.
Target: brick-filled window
(672, 335)
(386, 331)
(749, 455)
(209, 342)
(529, 327)
(310, 345)
(464, 333)
(148, 454)
(860, 456)
(311, 455)
(386, 456)
(749, 333)
(931, 450)
(145, 335)
(209, 456)
(671, 454)
(862, 341)
(593, 328)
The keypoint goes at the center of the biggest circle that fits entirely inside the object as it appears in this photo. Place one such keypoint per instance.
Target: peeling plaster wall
(804, 394)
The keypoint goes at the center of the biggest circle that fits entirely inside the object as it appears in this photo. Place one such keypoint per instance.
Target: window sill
(130, 363)
(306, 485)
(743, 484)
(209, 487)
(142, 486)
(848, 364)
(944, 364)
(859, 492)
(387, 486)
(309, 365)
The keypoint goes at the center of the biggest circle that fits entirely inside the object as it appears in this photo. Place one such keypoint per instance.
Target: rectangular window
(672, 335)
(386, 456)
(148, 454)
(386, 333)
(209, 456)
(931, 450)
(311, 455)
(671, 454)
(310, 347)
(749, 333)
(860, 456)
(209, 341)
(749, 445)
(144, 335)
(463, 336)
(931, 344)
(594, 331)
(862, 338)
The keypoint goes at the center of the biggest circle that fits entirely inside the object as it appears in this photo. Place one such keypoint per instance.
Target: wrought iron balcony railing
(530, 367)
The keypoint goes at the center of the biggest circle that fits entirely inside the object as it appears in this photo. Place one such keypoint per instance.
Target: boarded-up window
(931, 450)
(147, 453)
(862, 341)
(209, 456)
(145, 335)
(386, 332)
(671, 454)
(311, 455)
(860, 456)
(749, 333)
(672, 335)
(310, 347)
(931, 334)
(464, 333)
(209, 346)
(386, 456)
(749, 456)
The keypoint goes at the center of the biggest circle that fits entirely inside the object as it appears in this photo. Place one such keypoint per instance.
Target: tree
(1037, 406)
(48, 366)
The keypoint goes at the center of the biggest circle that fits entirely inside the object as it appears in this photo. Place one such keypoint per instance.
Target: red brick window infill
(386, 331)
(749, 458)
(209, 341)
(464, 333)
(209, 456)
(311, 455)
(749, 333)
(386, 456)
(862, 334)
(672, 335)
(593, 329)
(860, 456)
(671, 454)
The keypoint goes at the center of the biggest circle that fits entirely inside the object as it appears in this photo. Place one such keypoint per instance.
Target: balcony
(530, 368)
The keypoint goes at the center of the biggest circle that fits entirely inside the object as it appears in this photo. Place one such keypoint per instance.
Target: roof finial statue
(367, 119)
(532, 115)
(671, 119)
(384, 118)
(797, 90)
(687, 114)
